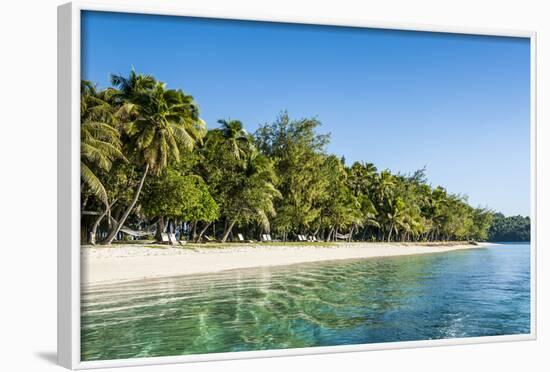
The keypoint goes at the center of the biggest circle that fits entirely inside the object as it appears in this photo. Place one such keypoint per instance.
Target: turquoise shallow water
(469, 293)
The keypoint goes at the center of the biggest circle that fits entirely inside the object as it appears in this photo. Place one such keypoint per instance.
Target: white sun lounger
(242, 239)
(174, 241)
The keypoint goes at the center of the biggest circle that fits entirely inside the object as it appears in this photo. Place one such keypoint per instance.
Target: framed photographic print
(235, 186)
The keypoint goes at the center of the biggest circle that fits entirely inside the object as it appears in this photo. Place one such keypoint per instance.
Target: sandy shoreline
(132, 262)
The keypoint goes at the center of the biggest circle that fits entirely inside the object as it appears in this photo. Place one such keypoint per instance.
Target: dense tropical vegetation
(149, 164)
(510, 229)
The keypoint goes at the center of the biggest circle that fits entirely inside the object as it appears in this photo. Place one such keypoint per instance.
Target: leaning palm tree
(256, 194)
(262, 179)
(160, 123)
(99, 139)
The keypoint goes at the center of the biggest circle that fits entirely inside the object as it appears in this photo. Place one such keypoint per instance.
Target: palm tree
(361, 181)
(238, 174)
(132, 85)
(368, 212)
(256, 193)
(161, 121)
(437, 201)
(261, 191)
(385, 184)
(100, 143)
(236, 138)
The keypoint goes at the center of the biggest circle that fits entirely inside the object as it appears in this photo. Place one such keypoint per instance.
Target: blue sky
(457, 104)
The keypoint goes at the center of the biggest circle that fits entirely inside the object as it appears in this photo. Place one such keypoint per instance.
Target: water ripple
(455, 294)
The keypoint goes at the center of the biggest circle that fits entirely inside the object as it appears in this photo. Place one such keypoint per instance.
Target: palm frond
(93, 183)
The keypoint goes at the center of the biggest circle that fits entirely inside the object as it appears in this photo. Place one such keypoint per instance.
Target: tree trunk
(84, 201)
(199, 238)
(160, 229)
(93, 232)
(228, 230)
(109, 239)
(330, 234)
(390, 232)
(315, 233)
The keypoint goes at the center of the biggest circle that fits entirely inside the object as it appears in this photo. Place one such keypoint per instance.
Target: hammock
(131, 232)
(340, 236)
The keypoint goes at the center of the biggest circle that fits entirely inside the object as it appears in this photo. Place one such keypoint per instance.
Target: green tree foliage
(100, 143)
(298, 153)
(172, 194)
(148, 158)
(158, 123)
(510, 229)
(340, 209)
(242, 179)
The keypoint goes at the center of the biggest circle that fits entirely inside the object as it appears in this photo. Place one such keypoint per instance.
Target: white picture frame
(69, 180)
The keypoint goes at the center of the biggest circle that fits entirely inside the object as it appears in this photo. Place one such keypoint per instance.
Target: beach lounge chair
(172, 239)
(242, 239)
(165, 238)
(266, 238)
(175, 241)
(269, 239)
(301, 238)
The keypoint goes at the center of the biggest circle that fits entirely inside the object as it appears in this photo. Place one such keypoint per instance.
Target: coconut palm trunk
(228, 230)
(160, 229)
(390, 232)
(329, 236)
(93, 231)
(201, 233)
(109, 239)
(351, 233)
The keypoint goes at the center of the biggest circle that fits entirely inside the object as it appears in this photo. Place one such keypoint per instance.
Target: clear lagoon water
(470, 293)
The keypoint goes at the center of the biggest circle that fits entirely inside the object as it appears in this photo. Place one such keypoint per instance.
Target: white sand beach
(132, 262)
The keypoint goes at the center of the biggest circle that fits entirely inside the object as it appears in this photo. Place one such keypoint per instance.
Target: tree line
(149, 163)
(510, 229)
